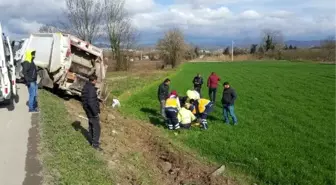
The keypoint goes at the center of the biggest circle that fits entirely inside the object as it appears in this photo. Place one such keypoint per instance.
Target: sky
(207, 21)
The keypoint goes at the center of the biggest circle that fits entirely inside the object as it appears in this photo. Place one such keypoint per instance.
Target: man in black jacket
(91, 107)
(29, 71)
(228, 100)
(163, 93)
(198, 82)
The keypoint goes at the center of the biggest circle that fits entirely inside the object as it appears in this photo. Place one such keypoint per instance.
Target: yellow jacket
(185, 116)
(202, 103)
(173, 103)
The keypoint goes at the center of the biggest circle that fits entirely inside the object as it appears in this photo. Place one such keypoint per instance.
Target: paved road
(18, 143)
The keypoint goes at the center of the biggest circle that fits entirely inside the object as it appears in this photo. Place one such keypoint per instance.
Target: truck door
(11, 66)
(5, 91)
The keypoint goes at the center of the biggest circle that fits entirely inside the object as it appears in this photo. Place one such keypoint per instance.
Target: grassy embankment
(286, 112)
(67, 157)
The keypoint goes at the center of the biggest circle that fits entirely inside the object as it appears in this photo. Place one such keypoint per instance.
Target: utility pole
(232, 51)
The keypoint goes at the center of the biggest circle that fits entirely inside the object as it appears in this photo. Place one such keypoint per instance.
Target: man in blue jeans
(29, 71)
(228, 99)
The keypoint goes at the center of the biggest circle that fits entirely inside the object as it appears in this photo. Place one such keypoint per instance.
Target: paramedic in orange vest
(201, 108)
(171, 109)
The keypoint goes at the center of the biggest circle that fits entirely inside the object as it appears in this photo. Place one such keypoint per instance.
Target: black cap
(226, 83)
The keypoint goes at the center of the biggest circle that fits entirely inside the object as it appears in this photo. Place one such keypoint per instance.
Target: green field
(286, 115)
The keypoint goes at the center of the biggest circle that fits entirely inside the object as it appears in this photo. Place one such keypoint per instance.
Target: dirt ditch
(137, 153)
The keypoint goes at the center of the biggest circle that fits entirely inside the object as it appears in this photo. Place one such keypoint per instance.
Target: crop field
(286, 116)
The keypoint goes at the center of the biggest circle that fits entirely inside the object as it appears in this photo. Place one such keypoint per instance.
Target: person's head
(226, 85)
(198, 75)
(29, 55)
(33, 54)
(174, 93)
(93, 79)
(192, 101)
(166, 81)
(213, 73)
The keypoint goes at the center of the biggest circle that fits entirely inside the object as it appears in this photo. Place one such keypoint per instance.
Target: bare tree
(84, 18)
(328, 46)
(272, 39)
(47, 28)
(172, 47)
(121, 34)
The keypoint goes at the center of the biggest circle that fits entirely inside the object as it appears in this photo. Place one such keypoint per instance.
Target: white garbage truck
(64, 62)
(7, 70)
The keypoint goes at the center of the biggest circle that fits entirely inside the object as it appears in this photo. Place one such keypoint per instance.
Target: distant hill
(210, 44)
(304, 44)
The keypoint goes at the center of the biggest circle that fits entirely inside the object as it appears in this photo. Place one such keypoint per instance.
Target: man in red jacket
(212, 85)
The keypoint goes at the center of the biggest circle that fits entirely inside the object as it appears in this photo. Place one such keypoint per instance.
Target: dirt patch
(137, 153)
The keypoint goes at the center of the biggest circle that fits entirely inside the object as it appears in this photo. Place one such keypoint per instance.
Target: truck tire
(39, 78)
(43, 79)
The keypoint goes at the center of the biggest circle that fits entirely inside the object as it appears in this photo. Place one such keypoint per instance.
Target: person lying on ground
(228, 100)
(201, 108)
(163, 92)
(185, 117)
(183, 100)
(172, 106)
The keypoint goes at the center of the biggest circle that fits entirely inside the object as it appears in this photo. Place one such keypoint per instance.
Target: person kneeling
(172, 107)
(185, 117)
(201, 108)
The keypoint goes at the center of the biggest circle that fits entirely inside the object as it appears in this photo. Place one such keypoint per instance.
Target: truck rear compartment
(82, 66)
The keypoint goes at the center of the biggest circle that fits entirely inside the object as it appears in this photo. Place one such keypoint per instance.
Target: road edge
(33, 165)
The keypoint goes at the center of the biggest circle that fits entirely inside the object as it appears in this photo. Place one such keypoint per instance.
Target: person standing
(198, 82)
(163, 93)
(29, 71)
(172, 108)
(91, 107)
(228, 100)
(212, 85)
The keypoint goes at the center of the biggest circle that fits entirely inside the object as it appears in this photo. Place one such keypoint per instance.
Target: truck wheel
(39, 78)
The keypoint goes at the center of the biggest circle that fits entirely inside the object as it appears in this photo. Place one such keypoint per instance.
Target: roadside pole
(232, 51)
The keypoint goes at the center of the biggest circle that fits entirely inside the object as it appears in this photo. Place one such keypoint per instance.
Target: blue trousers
(229, 110)
(32, 90)
(172, 120)
(204, 115)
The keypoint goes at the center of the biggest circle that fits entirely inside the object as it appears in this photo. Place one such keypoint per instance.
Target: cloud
(139, 6)
(212, 19)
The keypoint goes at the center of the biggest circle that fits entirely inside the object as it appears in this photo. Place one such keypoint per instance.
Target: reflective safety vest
(202, 103)
(185, 116)
(192, 94)
(172, 103)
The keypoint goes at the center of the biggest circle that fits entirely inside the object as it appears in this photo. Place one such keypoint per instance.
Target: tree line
(91, 20)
